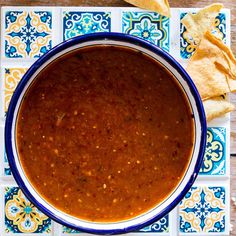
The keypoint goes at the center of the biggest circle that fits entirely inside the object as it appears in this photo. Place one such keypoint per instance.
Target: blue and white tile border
(116, 26)
(193, 210)
(147, 25)
(76, 23)
(214, 162)
(52, 10)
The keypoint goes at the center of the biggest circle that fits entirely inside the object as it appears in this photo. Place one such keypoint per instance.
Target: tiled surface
(7, 169)
(28, 33)
(12, 77)
(79, 22)
(161, 226)
(149, 26)
(188, 47)
(214, 159)
(69, 230)
(21, 216)
(203, 210)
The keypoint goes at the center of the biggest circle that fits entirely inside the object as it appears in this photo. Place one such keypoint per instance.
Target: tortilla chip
(201, 22)
(216, 107)
(160, 6)
(212, 67)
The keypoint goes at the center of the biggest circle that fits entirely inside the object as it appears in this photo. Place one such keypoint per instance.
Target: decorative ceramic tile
(7, 170)
(147, 25)
(21, 216)
(214, 158)
(161, 226)
(27, 33)
(203, 210)
(12, 77)
(69, 230)
(78, 23)
(187, 45)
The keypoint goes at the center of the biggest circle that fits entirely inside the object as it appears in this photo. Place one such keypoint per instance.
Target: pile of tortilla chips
(212, 66)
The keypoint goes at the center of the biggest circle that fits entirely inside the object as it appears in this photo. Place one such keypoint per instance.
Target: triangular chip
(212, 67)
(216, 107)
(201, 22)
(160, 6)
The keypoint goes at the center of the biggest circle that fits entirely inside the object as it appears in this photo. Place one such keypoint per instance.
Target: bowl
(188, 179)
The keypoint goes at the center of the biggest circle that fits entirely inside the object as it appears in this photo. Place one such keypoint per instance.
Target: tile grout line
(174, 219)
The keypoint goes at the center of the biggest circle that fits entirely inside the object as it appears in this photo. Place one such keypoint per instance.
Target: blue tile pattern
(69, 230)
(203, 210)
(78, 23)
(27, 34)
(7, 169)
(187, 45)
(149, 26)
(21, 216)
(161, 226)
(215, 154)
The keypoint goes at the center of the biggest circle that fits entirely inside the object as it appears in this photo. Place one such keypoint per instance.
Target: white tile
(175, 35)
(173, 217)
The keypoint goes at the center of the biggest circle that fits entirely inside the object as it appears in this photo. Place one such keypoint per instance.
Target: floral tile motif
(161, 226)
(203, 210)
(21, 216)
(69, 230)
(147, 25)
(187, 45)
(27, 34)
(7, 169)
(12, 77)
(78, 23)
(214, 159)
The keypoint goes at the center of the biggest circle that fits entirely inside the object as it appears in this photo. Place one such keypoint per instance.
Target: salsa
(105, 133)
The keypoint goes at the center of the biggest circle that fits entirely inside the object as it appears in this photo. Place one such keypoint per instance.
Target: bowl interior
(177, 194)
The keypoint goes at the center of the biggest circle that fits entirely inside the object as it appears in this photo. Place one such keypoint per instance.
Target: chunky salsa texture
(105, 133)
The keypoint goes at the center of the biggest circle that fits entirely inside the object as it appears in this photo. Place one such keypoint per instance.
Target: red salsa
(105, 133)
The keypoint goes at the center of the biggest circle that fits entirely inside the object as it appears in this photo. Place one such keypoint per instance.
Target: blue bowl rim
(81, 39)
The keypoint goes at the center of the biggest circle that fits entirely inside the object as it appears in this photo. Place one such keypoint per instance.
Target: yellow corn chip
(160, 6)
(215, 107)
(201, 22)
(212, 67)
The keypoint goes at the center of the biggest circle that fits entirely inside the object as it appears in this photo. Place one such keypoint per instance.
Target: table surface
(231, 4)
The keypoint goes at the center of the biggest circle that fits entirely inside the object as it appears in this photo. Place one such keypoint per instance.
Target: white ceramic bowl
(199, 143)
